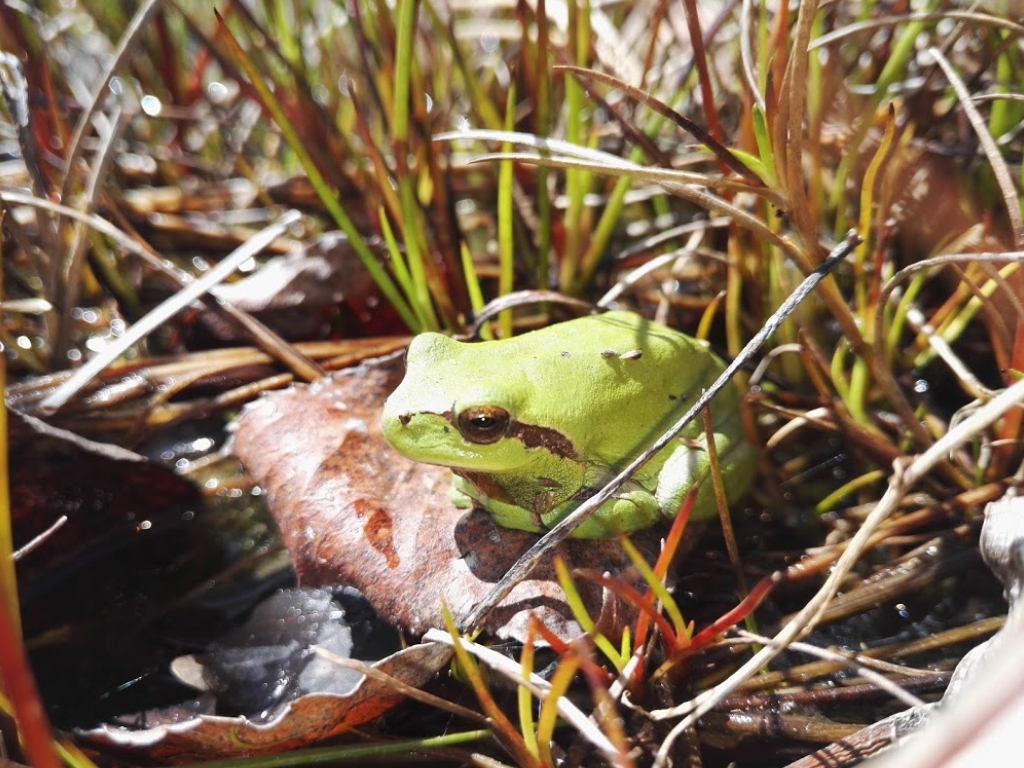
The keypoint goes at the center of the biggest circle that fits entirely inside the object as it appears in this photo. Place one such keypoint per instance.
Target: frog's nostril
(404, 419)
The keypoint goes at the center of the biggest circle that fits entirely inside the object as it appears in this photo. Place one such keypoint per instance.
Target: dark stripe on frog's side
(531, 436)
(488, 485)
(551, 440)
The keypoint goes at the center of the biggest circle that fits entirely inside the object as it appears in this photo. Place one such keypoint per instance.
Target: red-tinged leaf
(558, 645)
(745, 607)
(306, 721)
(643, 603)
(668, 553)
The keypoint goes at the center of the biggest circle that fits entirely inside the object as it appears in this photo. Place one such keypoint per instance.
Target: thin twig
(36, 541)
(128, 39)
(747, 57)
(68, 285)
(926, 264)
(624, 283)
(869, 25)
(988, 146)
(860, 666)
(264, 338)
(166, 310)
(714, 144)
(398, 685)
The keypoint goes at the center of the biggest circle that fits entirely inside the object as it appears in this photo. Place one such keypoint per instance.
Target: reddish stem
(20, 687)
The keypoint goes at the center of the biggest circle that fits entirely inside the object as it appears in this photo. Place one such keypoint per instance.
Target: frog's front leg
(462, 493)
(483, 492)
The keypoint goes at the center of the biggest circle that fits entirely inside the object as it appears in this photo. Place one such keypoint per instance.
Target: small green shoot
(503, 728)
(579, 612)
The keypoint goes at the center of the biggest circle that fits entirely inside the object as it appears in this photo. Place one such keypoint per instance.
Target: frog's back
(636, 371)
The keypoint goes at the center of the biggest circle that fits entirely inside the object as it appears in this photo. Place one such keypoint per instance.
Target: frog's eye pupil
(483, 424)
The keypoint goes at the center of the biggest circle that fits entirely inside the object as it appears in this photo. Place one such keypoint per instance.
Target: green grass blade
(329, 199)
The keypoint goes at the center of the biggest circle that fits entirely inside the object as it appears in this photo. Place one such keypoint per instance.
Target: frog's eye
(483, 424)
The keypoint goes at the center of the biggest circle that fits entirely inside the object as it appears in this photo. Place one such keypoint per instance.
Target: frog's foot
(465, 495)
(633, 508)
(461, 494)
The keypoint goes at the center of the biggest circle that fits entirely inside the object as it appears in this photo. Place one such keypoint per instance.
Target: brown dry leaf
(303, 722)
(353, 511)
(295, 293)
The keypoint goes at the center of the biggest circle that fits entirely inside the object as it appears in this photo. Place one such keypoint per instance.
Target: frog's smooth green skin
(534, 425)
